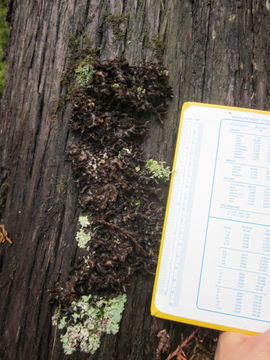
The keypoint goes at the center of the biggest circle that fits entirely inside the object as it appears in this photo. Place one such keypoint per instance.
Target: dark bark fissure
(208, 19)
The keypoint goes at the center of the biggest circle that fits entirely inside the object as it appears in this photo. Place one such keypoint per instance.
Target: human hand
(237, 346)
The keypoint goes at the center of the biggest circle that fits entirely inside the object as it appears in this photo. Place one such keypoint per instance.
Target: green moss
(12, 267)
(86, 320)
(73, 45)
(3, 190)
(77, 58)
(62, 185)
(158, 47)
(116, 21)
(53, 118)
(158, 170)
(3, 41)
(59, 103)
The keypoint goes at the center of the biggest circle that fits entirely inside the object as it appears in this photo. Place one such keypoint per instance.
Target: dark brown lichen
(124, 202)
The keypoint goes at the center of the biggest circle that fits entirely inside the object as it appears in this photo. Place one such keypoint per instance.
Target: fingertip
(233, 336)
(266, 334)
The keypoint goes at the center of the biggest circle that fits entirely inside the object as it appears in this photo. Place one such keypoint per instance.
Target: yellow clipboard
(154, 310)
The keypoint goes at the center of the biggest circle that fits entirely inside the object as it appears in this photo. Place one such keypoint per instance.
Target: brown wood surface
(216, 51)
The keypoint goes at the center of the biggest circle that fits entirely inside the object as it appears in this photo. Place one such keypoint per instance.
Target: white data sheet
(214, 265)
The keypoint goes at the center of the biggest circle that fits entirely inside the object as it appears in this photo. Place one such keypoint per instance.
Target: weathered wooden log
(215, 51)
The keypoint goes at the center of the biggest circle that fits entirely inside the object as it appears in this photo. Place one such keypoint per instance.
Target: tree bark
(215, 51)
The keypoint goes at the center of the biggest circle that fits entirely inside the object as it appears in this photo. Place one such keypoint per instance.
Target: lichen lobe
(86, 320)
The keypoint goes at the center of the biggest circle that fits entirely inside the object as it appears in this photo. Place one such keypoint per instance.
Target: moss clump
(62, 185)
(3, 41)
(86, 320)
(158, 47)
(3, 194)
(78, 60)
(116, 21)
(158, 170)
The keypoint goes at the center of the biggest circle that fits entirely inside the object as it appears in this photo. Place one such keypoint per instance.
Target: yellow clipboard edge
(226, 107)
(154, 309)
(155, 312)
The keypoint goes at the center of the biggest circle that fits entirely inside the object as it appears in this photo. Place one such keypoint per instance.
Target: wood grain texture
(215, 51)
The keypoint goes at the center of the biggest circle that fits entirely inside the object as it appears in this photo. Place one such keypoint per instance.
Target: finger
(265, 337)
(233, 336)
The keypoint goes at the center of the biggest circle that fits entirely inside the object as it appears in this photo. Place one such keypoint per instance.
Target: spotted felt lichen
(83, 322)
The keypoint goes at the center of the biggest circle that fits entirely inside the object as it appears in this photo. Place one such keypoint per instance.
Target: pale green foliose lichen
(84, 222)
(158, 170)
(84, 73)
(125, 151)
(86, 320)
(82, 236)
(141, 90)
